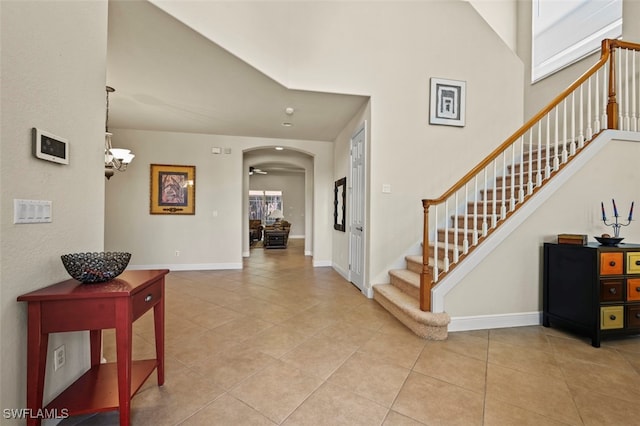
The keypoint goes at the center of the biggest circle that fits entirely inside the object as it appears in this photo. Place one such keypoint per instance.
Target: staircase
(485, 198)
(402, 295)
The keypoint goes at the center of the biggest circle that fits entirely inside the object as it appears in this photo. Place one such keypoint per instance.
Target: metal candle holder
(616, 225)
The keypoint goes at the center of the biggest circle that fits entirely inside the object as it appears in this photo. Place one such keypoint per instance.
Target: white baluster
(484, 199)
(581, 115)
(589, 134)
(476, 194)
(503, 207)
(634, 121)
(547, 169)
(605, 97)
(465, 242)
(435, 244)
(556, 161)
(565, 153)
(513, 163)
(494, 215)
(539, 171)
(530, 172)
(455, 229)
(446, 236)
(572, 145)
(619, 91)
(627, 125)
(596, 114)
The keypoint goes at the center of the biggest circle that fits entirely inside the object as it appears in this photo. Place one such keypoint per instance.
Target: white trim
(343, 273)
(308, 253)
(321, 263)
(189, 266)
(485, 322)
(447, 284)
(563, 33)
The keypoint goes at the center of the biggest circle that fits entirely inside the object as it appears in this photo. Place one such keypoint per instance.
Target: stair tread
(406, 275)
(411, 306)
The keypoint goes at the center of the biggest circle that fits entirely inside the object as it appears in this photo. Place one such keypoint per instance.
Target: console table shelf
(97, 389)
(73, 306)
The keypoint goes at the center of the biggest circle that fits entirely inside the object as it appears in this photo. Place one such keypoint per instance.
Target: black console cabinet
(592, 289)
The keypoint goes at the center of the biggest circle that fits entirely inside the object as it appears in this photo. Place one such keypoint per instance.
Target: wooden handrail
(529, 124)
(608, 46)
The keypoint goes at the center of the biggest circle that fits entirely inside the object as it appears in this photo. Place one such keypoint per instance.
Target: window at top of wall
(566, 31)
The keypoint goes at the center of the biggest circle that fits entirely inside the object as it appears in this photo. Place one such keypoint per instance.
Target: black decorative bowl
(609, 241)
(95, 267)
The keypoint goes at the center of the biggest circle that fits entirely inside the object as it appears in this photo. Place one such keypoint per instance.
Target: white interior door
(357, 209)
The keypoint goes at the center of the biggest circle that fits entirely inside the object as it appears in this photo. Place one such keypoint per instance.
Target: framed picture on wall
(173, 189)
(447, 102)
(339, 204)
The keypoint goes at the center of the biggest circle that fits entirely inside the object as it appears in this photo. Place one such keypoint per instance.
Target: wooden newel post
(612, 105)
(425, 276)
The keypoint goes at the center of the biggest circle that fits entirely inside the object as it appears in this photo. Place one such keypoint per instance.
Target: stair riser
(469, 219)
(452, 234)
(479, 208)
(416, 267)
(441, 252)
(515, 169)
(499, 194)
(406, 287)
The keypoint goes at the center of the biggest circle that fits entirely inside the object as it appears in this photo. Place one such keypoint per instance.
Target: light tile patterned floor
(281, 342)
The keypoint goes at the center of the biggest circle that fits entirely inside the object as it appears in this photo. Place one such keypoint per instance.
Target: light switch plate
(32, 211)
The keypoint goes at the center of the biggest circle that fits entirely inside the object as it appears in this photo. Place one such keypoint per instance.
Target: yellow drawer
(611, 317)
(611, 263)
(633, 262)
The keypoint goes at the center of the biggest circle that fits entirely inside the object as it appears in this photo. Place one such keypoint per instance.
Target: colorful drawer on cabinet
(611, 290)
(633, 316)
(611, 263)
(633, 262)
(611, 317)
(633, 289)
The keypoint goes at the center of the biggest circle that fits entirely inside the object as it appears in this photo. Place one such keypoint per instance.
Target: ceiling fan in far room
(255, 170)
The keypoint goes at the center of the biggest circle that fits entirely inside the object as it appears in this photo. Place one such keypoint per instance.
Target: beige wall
(389, 51)
(53, 78)
(508, 281)
(538, 95)
(205, 240)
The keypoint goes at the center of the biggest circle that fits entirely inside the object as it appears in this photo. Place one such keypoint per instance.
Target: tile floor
(281, 342)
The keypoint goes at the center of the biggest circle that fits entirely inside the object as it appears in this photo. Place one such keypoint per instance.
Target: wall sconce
(114, 158)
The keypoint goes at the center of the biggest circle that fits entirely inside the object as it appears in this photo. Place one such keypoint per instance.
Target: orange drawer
(146, 298)
(612, 290)
(633, 262)
(611, 317)
(633, 316)
(611, 263)
(633, 288)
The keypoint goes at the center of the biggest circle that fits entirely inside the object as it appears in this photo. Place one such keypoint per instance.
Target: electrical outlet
(177, 252)
(59, 358)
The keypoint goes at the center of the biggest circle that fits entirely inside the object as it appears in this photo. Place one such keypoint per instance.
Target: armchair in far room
(255, 230)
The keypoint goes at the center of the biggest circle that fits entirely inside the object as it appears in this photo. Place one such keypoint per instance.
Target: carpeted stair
(401, 297)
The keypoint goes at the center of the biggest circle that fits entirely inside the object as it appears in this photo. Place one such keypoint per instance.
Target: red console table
(73, 306)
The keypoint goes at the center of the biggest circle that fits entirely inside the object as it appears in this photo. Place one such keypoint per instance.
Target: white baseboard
(343, 273)
(321, 263)
(308, 253)
(484, 322)
(190, 266)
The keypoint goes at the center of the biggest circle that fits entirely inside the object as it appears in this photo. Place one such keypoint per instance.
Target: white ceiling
(169, 78)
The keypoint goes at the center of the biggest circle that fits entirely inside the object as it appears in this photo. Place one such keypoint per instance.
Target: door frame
(364, 288)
